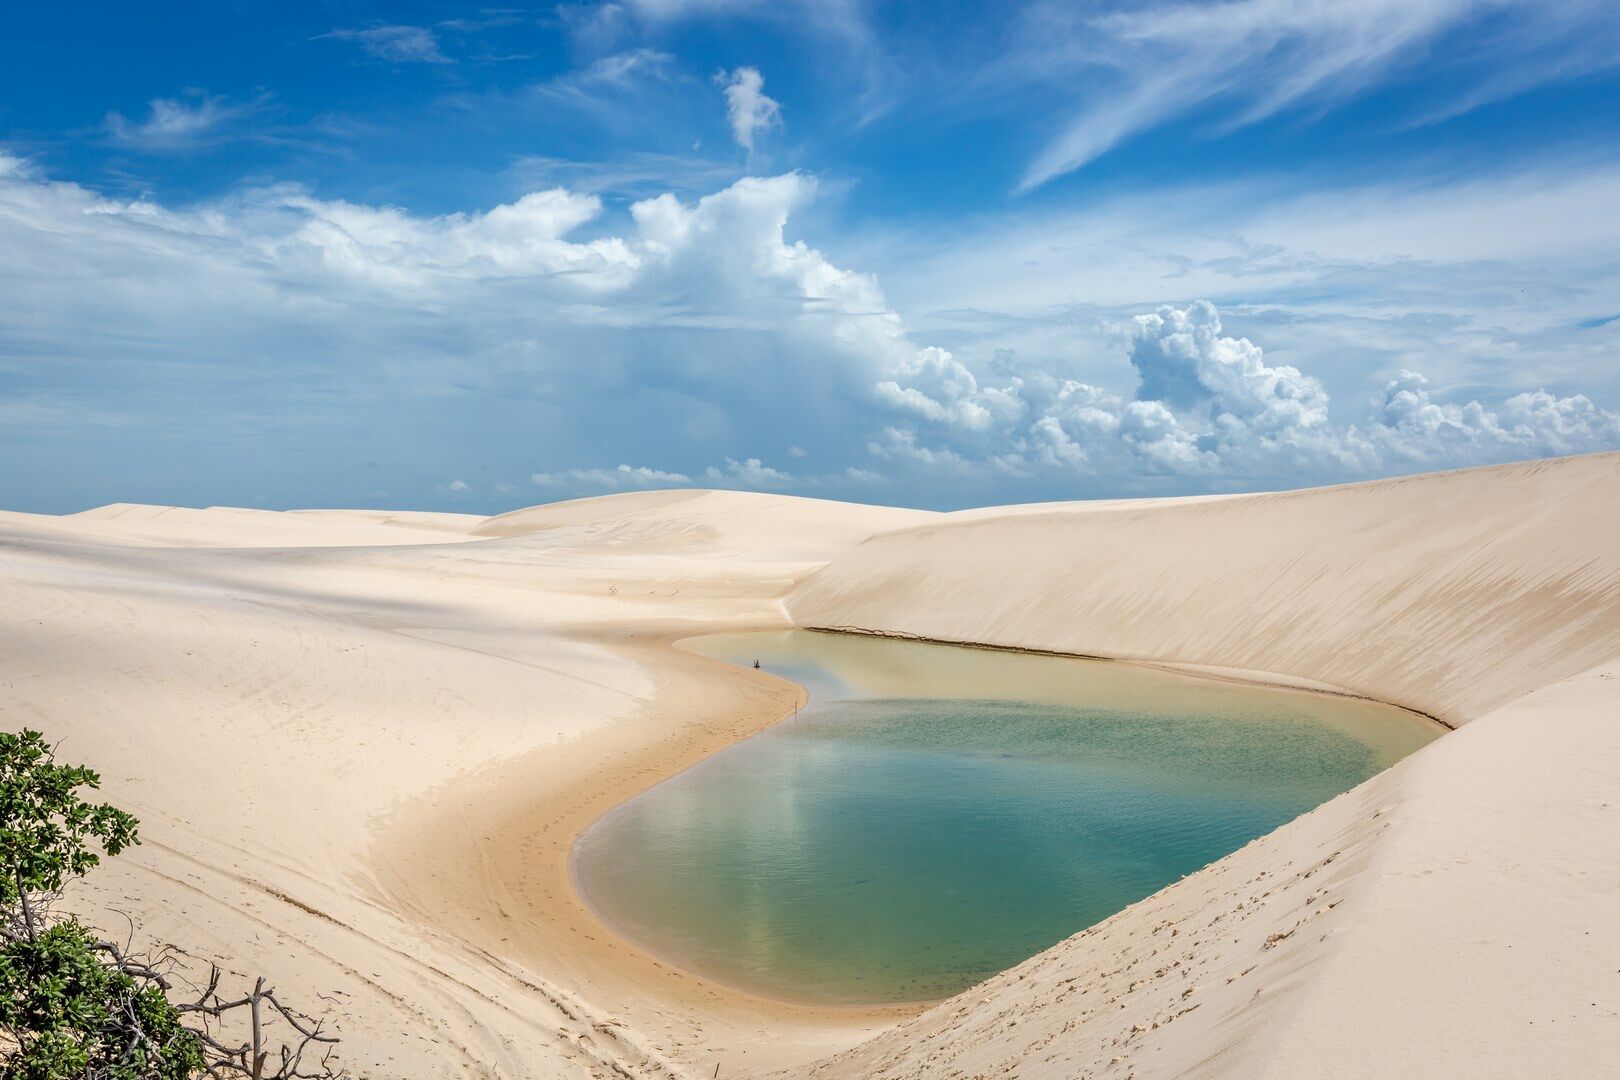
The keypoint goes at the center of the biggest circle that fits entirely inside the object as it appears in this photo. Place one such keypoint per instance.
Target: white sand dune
(231, 527)
(720, 524)
(1455, 916)
(1450, 593)
(361, 745)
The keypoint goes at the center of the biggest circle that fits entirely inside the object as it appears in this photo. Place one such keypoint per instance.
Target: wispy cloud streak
(1140, 68)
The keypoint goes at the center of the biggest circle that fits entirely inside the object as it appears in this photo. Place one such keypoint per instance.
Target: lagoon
(937, 814)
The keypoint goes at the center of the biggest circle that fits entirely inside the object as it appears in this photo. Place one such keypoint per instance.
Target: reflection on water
(938, 814)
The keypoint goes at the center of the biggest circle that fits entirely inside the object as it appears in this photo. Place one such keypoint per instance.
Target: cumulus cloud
(395, 44)
(1208, 405)
(691, 317)
(1409, 425)
(748, 474)
(747, 105)
(543, 328)
(934, 385)
(389, 247)
(1184, 361)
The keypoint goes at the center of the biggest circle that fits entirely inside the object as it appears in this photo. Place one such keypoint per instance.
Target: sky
(443, 256)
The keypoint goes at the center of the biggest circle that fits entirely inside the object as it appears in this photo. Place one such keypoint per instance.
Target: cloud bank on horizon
(681, 301)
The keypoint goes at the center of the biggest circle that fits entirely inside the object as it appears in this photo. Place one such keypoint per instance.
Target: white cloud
(459, 487)
(748, 106)
(176, 123)
(1135, 68)
(1184, 361)
(690, 329)
(596, 85)
(747, 474)
(1409, 425)
(1474, 282)
(937, 388)
(625, 476)
(391, 248)
(901, 445)
(1209, 405)
(750, 473)
(395, 44)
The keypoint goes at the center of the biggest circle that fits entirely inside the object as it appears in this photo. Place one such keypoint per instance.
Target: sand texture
(1450, 593)
(361, 745)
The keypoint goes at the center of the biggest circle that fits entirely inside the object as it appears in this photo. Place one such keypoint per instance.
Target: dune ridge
(1449, 593)
(361, 744)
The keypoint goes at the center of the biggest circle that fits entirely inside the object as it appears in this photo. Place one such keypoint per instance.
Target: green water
(938, 814)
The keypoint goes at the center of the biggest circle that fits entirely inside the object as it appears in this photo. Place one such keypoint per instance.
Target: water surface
(938, 814)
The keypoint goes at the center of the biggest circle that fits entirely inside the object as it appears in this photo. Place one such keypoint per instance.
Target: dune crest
(1449, 593)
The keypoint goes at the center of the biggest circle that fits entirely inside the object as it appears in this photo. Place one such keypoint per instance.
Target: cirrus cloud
(1130, 69)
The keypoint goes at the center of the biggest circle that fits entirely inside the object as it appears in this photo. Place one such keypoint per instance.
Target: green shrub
(74, 1007)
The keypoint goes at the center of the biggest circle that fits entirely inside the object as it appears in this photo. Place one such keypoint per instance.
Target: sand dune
(1445, 919)
(360, 767)
(745, 524)
(362, 743)
(234, 527)
(1450, 593)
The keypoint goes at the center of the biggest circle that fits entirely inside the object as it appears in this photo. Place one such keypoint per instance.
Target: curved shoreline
(895, 1010)
(879, 1011)
(527, 841)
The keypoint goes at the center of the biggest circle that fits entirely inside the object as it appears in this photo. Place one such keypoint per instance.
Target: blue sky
(445, 256)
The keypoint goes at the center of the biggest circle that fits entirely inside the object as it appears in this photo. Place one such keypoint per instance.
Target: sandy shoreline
(410, 737)
(531, 817)
(605, 788)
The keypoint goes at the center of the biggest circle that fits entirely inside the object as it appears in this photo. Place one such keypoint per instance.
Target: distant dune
(229, 526)
(362, 743)
(770, 528)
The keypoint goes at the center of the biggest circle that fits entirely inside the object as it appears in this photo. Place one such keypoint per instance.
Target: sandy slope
(359, 768)
(1456, 916)
(1450, 593)
(361, 745)
(1430, 923)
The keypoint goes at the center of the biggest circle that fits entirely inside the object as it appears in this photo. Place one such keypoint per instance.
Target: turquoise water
(938, 814)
